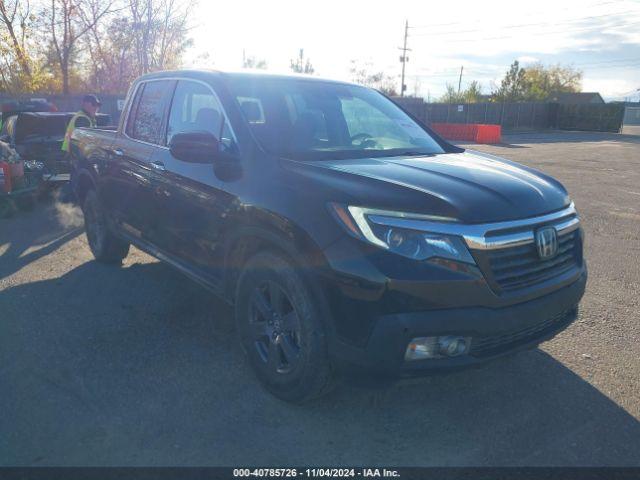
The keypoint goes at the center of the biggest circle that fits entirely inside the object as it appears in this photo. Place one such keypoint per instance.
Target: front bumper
(494, 332)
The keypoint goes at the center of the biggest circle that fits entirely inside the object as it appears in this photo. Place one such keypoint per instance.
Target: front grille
(519, 267)
(487, 346)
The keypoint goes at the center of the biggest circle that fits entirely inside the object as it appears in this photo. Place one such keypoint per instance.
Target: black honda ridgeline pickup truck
(348, 236)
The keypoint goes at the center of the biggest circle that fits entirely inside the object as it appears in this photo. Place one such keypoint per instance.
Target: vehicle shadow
(22, 240)
(137, 366)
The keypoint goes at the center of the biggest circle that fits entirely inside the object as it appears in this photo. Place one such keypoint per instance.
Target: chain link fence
(521, 115)
(632, 115)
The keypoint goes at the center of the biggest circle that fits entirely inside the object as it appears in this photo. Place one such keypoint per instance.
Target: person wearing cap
(86, 117)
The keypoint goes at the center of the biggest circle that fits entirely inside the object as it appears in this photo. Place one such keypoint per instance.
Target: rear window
(38, 126)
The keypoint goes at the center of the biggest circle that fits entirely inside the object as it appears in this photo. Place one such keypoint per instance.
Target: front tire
(281, 330)
(105, 246)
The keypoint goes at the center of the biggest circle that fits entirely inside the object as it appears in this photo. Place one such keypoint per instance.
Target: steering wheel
(366, 140)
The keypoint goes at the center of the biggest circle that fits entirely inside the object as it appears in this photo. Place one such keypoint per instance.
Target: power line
(455, 73)
(627, 94)
(597, 4)
(613, 21)
(612, 64)
(545, 32)
(630, 61)
(574, 20)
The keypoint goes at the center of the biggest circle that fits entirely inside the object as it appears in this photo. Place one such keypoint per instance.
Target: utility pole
(460, 79)
(403, 58)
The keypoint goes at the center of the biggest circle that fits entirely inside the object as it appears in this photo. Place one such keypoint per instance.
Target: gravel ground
(138, 366)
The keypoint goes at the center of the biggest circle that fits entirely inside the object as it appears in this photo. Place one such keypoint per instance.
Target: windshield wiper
(414, 153)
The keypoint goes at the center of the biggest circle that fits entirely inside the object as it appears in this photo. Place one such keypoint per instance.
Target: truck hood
(472, 187)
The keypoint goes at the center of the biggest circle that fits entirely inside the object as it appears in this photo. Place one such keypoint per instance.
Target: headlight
(396, 232)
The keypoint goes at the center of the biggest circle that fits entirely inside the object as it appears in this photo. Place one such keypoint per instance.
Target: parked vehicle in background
(17, 106)
(348, 237)
(37, 137)
(19, 183)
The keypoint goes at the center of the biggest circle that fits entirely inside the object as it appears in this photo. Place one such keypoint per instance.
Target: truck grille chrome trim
(520, 267)
(488, 236)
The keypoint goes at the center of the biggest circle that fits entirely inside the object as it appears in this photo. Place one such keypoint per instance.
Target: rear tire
(27, 203)
(281, 330)
(6, 207)
(105, 246)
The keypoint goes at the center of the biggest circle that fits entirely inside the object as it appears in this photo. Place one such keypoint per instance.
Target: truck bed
(90, 142)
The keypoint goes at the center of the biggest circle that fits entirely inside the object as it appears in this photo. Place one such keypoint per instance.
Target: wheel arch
(293, 243)
(296, 247)
(84, 183)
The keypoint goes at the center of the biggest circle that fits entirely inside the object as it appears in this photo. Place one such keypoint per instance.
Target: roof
(241, 74)
(576, 97)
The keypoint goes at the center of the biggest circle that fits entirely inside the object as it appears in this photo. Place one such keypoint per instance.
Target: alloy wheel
(274, 328)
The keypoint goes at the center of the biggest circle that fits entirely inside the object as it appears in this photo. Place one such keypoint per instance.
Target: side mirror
(194, 147)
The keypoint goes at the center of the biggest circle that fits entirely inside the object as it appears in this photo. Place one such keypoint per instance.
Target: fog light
(452, 346)
(422, 348)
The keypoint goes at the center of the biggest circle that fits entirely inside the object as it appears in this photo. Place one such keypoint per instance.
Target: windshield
(304, 119)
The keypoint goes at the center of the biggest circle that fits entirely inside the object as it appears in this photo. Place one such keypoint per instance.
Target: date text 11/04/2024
(316, 472)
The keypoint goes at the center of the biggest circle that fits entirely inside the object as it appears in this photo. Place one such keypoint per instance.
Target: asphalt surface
(631, 129)
(139, 366)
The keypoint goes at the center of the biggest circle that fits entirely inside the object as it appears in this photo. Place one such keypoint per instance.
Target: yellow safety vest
(66, 143)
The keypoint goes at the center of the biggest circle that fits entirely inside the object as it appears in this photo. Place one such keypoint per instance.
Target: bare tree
(100, 44)
(19, 53)
(136, 37)
(254, 62)
(69, 21)
(299, 65)
(14, 16)
(159, 30)
(362, 74)
(107, 48)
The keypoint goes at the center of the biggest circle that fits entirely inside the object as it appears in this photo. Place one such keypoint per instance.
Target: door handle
(159, 166)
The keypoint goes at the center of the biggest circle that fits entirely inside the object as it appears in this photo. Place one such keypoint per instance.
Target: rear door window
(150, 105)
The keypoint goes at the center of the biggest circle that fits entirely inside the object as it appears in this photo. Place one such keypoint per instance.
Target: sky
(600, 38)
